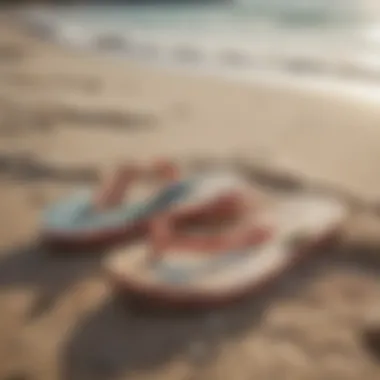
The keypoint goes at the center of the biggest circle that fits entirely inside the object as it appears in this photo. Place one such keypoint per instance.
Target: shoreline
(340, 68)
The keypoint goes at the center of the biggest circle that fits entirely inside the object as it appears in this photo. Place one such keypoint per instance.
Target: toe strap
(163, 236)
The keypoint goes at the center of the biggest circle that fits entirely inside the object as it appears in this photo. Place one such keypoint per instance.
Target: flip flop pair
(92, 218)
(185, 269)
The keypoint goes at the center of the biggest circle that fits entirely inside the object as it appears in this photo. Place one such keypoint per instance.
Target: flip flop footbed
(209, 186)
(76, 213)
(295, 219)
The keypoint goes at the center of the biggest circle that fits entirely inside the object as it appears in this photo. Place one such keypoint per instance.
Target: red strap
(113, 191)
(163, 236)
(165, 170)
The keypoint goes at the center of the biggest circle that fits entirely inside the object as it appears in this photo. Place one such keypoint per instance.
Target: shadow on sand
(51, 275)
(33, 265)
(121, 337)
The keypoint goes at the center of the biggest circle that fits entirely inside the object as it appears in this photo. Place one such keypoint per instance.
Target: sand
(65, 116)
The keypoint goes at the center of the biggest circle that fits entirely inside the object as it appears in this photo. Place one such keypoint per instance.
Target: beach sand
(66, 116)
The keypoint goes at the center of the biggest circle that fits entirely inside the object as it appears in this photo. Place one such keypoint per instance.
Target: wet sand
(66, 116)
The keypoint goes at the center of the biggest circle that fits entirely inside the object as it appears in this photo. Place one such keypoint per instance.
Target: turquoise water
(239, 22)
(258, 32)
(286, 13)
(239, 15)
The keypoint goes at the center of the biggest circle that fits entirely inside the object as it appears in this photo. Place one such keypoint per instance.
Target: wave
(230, 50)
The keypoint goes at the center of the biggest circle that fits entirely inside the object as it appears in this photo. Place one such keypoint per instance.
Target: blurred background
(287, 89)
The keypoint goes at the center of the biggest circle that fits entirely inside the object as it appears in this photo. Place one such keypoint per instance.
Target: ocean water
(319, 37)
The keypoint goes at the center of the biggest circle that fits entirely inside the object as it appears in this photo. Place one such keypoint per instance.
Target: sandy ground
(65, 115)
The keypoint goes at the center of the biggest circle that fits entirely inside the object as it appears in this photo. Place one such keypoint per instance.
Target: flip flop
(213, 270)
(77, 220)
